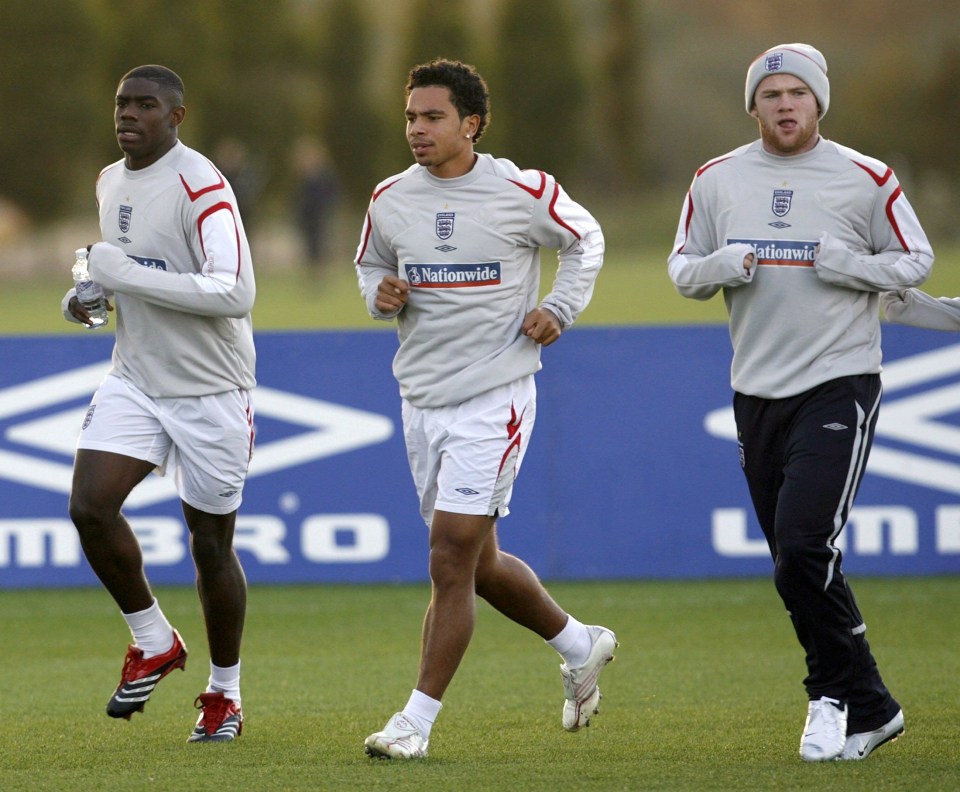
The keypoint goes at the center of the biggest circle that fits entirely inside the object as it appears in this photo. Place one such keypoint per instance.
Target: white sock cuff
(150, 630)
(422, 707)
(226, 680)
(139, 619)
(567, 638)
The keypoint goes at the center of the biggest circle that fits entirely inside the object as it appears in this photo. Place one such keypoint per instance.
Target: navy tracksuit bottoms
(804, 457)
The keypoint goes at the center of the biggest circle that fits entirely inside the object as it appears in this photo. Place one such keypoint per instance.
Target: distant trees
(538, 89)
(614, 95)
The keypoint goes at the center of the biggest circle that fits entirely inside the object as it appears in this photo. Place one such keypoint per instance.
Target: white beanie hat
(800, 60)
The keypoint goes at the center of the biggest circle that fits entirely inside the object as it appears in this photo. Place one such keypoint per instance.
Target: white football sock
(226, 681)
(572, 643)
(150, 629)
(422, 711)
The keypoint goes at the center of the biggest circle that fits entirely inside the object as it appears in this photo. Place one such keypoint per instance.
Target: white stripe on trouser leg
(854, 472)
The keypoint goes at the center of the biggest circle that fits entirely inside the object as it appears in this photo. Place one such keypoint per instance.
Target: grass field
(704, 694)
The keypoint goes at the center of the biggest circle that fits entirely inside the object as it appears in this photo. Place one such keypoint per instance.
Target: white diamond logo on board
(328, 429)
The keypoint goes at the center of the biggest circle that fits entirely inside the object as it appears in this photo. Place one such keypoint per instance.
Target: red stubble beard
(797, 140)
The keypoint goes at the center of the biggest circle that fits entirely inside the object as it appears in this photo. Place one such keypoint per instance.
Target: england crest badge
(781, 202)
(445, 224)
(126, 212)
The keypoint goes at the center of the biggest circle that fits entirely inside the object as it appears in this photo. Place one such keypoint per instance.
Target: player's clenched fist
(392, 294)
(542, 326)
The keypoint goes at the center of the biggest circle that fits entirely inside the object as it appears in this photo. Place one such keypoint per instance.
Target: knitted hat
(800, 60)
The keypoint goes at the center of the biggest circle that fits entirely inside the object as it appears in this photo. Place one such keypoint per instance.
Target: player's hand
(749, 262)
(392, 294)
(78, 312)
(542, 326)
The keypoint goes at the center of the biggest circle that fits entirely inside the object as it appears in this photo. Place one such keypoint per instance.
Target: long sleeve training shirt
(176, 258)
(830, 228)
(917, 308)
(470, 249)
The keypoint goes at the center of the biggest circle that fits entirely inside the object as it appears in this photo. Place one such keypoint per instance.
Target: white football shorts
(465, 457)
(205, 441)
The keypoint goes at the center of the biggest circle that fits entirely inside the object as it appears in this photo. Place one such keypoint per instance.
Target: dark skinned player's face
(146, 120)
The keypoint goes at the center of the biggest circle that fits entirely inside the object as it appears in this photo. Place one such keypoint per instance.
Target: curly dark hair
(166, 78)
(468, 91)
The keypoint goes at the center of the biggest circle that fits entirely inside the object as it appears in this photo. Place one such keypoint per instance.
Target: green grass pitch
(704, 694)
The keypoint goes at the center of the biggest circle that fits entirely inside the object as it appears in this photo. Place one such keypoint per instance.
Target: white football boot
(860, 746)
(580, 684)
(825, 731)
(400, 739)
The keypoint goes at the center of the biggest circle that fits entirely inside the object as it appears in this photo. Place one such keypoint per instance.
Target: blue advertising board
(632, 470)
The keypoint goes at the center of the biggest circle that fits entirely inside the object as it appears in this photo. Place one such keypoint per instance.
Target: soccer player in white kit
(176, 264)
(801, 235)
(450, 249)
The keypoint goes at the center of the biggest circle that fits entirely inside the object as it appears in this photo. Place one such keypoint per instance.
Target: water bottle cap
(81, 252)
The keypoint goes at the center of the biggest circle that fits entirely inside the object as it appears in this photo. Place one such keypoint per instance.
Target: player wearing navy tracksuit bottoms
(804, 457)
(801, 235)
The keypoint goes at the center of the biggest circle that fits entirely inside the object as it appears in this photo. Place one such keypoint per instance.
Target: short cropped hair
(468, 91)
(166, 78)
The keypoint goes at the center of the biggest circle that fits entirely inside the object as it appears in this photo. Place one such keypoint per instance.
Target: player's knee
(450, 565)
(211, 550)
(88, 514)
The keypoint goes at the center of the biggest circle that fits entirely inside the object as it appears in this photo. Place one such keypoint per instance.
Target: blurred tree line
(617, 98)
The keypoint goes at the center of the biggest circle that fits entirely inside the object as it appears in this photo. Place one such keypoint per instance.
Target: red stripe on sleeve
(879, 178)
(223, 205)
(553, 213)
(193, 195)
(893, 220)
(536, 193)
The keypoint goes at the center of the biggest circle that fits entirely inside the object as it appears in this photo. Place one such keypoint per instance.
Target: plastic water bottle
(89, 293)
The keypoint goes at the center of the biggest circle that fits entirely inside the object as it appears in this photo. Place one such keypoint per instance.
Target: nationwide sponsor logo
(38, 451)
(781, 252)
(151, 263)
(126, 215)
(916, 440)
(447, 276)
(445, 224)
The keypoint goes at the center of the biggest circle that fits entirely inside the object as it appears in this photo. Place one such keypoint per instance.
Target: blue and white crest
(773, 62)
(782, 199)
(126, 212)
(445, 224)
